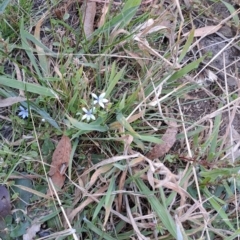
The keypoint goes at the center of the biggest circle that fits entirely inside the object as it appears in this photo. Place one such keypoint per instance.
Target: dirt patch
(222, 53)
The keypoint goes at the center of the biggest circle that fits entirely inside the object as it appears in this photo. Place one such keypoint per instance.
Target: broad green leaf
(28, 87)
(87, 126)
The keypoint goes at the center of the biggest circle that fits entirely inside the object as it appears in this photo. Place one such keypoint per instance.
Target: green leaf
(231, 9)
(3, 5)
(218, 208)
(102, 234)
(234, 236)
(150, 139)
(28, 87)
(159, 209)
(98, 208)
(214, 137)
(187, 45)
(87, 126)
(121, 20)
(113, 80)
(182, 72)
(28, 50)
(123, 121)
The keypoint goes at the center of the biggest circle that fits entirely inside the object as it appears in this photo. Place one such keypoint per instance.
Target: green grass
(112, 191)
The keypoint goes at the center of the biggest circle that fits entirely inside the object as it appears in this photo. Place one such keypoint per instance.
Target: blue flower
(88, 114)
(100, 100)
(23, 112)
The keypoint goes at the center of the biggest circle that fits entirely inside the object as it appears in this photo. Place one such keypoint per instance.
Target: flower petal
(95, 102)
(92, 117)
(102, 95)
(104, 100)
(84, 117)
(85, 110)
(94, 95)
(101, 104)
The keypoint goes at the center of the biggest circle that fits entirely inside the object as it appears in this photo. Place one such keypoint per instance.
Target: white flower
(23, 112)
(88, 114)
(100, 100)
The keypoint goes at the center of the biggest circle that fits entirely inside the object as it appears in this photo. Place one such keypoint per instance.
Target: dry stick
(231, 140)
(49, 180)
(221, 23)
(215, 57)
(108, 161)
(140, 236)
(39, 149)
(63, 211)
(194, 169)
(134, 185)
(104, 194)
(229, 114)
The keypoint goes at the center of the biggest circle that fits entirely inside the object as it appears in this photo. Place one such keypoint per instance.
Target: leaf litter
(60, 161)
(149, 169)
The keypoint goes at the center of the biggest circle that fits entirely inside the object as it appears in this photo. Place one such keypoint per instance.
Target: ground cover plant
(119, 119)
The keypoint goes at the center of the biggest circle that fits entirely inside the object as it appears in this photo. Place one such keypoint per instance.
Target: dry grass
(161, 160)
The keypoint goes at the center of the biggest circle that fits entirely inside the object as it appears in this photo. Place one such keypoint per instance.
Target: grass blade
(28, 87)
(160, 210)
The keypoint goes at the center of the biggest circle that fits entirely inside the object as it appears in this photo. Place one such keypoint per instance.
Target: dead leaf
(121, 187)
(60, 160)
(31, 231)
(103, 16)
(89, 15)
(169, 138)
(87, 202)
(10, 101)
(5, 204)
(204, 31)
(98, 172)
